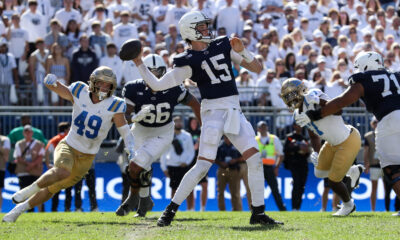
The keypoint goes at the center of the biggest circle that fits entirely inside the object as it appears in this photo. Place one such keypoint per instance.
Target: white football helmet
(367, 61)
(188, 27)
(155, 64)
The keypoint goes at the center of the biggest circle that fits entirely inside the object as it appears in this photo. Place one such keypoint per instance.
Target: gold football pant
(338, 159)
(77, 163)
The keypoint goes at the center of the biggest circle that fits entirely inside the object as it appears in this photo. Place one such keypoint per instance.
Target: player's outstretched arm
(124, 130)
(315, 141)
(171, 79)
(51, 83)
(248, 61)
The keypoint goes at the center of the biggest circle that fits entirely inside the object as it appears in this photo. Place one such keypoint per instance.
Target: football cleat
(259, 217)
(128, 205)
(145, 205)
(168, 215)
(345, 210)
(396, 214)
(14, 213)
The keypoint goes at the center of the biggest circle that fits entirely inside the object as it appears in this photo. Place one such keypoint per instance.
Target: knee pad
(321, 173)
(391, 171)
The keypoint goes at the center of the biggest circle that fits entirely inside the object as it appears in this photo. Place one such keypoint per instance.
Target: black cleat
(168, 215)
(259, 217)
(145, 205)
(263, 219)
(128, 205)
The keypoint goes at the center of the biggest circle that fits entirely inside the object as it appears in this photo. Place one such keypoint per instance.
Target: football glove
(312, 98)
(51, 79)
(301, 118)
(314, 158)
(141, 114)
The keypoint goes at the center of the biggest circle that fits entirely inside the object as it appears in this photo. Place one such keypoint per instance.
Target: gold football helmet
(103, 74)
(292, 92)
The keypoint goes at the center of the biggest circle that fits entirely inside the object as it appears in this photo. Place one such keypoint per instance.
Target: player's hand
(301, 118)
(237, 44)
(141, 114)
(131, 153)
(51, 79)
(314, 158)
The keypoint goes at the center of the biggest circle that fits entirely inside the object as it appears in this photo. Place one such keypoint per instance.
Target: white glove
(314, 158)
(301, 118)
(51, 79)
(141, 114)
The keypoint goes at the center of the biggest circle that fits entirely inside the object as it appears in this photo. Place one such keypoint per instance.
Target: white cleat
(345, 210)
(396, 214)
(13, 214)
(354, 173)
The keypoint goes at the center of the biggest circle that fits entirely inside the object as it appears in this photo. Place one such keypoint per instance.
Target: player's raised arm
(194, 104)
(51, 83)
(245, 58)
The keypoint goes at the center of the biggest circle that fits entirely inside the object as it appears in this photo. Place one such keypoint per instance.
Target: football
(130, 49)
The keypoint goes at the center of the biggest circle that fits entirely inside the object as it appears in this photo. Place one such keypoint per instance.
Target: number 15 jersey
(91, 122)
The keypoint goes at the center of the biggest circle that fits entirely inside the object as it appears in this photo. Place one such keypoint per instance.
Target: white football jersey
(91, 122)
(330, 128)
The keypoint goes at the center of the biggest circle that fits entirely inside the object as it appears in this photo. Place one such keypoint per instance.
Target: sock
(256, 179)
(32, 189)
(144, 192)
(190, 180)
(23, 206)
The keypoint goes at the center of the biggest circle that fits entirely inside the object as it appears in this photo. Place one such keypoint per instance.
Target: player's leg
(210, 136)
(204, 194)
(78, 196)
(62, 168)
(91, 183)
(269, 175)
(234, 189)
(246, 144)
(374, 176)
(2, 177)
(221, 185)
(345, 153)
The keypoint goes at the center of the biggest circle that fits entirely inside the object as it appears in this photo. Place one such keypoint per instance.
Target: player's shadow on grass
(80, 224)
(180, 219)
(259, 228)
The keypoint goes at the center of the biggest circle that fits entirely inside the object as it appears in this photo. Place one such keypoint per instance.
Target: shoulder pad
(118, 105)
(181, 59)
(77, 87)
(356, 78)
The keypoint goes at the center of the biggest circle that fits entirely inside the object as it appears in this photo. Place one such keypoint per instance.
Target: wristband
(247, 56)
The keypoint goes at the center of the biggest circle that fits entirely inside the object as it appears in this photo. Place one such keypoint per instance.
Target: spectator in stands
(335, 86)
(280, 70)
(228, 158)
(73, 34)
(272, 155)
(325, 72)
(37, 72)
(98, 40)
(229, 18)
(116, 8)
(5, 147)
(160, 14)
(314, 16)
(290, 63)
(297, 150)
(113, 61)
(56, 36)
(100, 15)
(245, 86)
(35, 23)
(84, 61)
(176, 160)
(18, 39)
(172, 38)
(305, 29)
(28, 155)
(326, 51)
(58, 65)
(63, 129)
(8, 72)
(287, 46)
(395, 28)
(66, 14)
(124, 30)
(175, 12)
(109, 28)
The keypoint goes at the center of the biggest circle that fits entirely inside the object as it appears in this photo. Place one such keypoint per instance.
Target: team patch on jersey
(76, 91)
(116, 104)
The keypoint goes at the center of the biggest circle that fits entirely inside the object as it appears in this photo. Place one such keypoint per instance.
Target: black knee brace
(144, 179)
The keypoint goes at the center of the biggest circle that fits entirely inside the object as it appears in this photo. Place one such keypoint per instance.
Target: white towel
(13, 94)
(40, 93)
(232, 122)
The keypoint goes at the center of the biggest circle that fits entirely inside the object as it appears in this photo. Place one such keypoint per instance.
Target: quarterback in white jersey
(95, 109)
(342, 142)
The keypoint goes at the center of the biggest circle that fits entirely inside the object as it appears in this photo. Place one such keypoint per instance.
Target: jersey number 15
(214, 60)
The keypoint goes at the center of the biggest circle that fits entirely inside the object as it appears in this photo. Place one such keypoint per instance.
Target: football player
(95, 110)
(153, 129)
(380, 91)
(342, 142)
(208, 62)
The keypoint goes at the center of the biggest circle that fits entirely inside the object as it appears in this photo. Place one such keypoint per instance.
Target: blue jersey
(381, 91)
(161, 103)
(211, 69)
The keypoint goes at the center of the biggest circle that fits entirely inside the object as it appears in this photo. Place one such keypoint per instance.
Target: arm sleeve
(171, 79)
(126, 134)
(236, 58)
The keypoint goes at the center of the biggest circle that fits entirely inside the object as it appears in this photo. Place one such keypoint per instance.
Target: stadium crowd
(313, 41)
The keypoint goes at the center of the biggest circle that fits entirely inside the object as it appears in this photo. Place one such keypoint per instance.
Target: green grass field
(201, 225)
